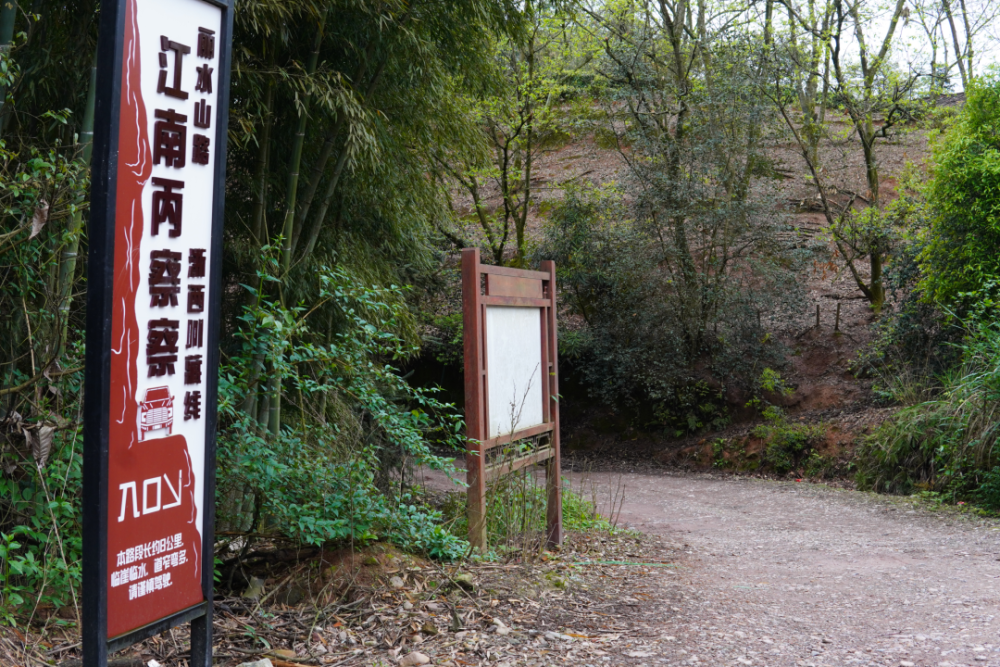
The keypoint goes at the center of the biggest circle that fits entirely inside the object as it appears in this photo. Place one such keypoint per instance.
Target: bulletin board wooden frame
(491, 286)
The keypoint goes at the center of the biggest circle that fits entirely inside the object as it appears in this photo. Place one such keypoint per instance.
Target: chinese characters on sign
(160, 363)
(170, 148)
(155, 239)
(175, 555)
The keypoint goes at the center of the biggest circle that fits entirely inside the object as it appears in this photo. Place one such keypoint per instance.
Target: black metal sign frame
(97, 384)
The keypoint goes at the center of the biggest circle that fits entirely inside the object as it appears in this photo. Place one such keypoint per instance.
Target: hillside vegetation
(777, 249)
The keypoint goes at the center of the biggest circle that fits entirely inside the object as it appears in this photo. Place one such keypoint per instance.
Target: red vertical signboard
(152, 359)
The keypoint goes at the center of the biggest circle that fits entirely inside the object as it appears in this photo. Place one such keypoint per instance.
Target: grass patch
(516, 514)
(948, 444)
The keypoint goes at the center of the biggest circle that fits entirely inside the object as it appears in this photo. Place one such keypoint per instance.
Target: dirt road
(782, 573)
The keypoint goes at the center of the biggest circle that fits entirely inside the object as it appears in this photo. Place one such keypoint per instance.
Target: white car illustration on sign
(156, 411)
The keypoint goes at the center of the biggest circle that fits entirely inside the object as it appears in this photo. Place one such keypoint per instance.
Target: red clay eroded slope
(819, 363)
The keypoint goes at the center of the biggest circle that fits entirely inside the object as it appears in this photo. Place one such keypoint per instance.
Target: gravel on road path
(785, 573)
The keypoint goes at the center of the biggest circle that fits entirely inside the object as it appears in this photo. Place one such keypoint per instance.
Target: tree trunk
(968, 42)
(249, 405)
(866, 132)
(318, 169)
(521, 221)
(331, 188)
(876, 289)
(954, 36)
(8, 16)
(274, 403)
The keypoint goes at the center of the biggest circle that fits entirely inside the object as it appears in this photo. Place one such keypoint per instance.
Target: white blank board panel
(514, 368)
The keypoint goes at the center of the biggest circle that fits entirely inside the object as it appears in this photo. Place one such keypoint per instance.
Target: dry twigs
(584, 602)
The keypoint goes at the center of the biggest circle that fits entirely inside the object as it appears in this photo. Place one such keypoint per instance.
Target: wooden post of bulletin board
(510, 344)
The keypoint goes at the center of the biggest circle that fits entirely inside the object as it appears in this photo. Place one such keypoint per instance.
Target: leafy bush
(988, 493)
(326, 476)
(40, 521)
(42, 192)
(962, 253)
(788, 445)
(645, 341)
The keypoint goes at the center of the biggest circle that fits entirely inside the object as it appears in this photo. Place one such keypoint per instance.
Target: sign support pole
(553, 470)
(475, 459)
(97, 378)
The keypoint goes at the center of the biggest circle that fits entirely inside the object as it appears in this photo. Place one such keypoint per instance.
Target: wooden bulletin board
(511, 382)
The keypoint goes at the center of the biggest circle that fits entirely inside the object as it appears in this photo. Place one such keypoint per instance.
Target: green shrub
(988, 493)
(333, 473)
(652, 337)
(40, 526)
(961, 258)
(787, 445)
(43, 186)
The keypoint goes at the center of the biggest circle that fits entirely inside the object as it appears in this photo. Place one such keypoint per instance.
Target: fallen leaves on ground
(588, 602)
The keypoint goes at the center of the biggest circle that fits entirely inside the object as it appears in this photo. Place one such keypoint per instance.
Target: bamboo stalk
(291, 190)
(258, 226)
(67, 267)
(288, 229)
(8, 15)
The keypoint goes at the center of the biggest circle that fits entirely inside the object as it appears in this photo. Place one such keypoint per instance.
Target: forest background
(370, 141)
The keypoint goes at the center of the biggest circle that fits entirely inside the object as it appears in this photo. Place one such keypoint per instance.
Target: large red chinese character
(168, 206)
(199, 149)
(161, 347)
(196, 298)
(195, 333)
(196, 263)
(202, 114)
(164, 278)
(192, 369)
(192, 405)
(204, 83)
(169, 137)
(206, 43)
(179, 52)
